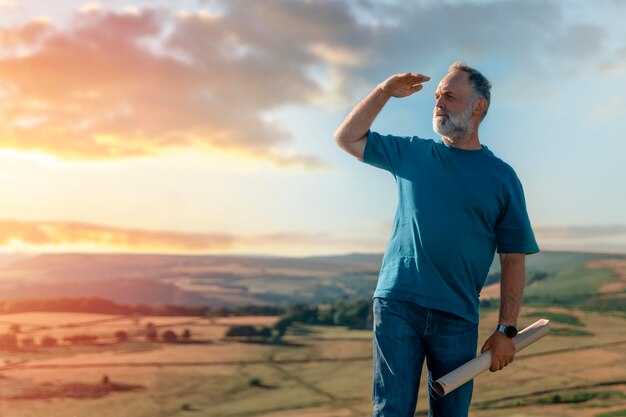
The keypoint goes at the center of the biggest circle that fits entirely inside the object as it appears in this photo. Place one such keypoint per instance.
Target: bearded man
(458, 203)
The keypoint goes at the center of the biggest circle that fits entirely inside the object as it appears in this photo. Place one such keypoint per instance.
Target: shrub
(186, 334)
(121, 336)
(151, 332)
(241, 331)
(255, 382)
(28, 342)
(48, 341)
(170, 337)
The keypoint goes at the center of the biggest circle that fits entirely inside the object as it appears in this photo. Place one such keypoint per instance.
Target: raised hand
(403, 84)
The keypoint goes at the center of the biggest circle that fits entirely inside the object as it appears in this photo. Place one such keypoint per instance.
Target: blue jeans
(406, 333)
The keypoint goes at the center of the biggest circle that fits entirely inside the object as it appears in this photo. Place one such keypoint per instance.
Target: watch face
(511, 331)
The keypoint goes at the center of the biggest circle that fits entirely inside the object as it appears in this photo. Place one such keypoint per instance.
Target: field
(579, 369)
(317, 371)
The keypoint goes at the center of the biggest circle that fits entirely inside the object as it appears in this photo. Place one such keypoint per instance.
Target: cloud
(54, 236)
(16, 234)
(7, 4)
(150, 81)
(580, 232)
(27, 34)
(609, 238)
(115, 85)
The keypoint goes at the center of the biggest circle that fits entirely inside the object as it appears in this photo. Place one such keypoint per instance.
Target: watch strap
(509, 331)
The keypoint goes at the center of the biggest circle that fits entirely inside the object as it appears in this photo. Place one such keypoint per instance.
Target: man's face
(452, 115)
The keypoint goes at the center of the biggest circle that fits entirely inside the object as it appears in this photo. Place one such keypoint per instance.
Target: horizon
(266, 256)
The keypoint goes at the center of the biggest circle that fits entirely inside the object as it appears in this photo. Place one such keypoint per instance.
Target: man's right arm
(352, 133)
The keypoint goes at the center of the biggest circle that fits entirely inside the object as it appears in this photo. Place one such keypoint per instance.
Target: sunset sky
(206, 126)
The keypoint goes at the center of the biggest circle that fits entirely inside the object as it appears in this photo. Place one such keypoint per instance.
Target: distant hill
(231, 281)
(7, 259)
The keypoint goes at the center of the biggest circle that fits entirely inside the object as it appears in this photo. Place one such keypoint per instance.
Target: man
(458, 204)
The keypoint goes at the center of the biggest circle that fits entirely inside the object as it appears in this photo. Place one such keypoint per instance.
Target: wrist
(507, 330)
(381, 92)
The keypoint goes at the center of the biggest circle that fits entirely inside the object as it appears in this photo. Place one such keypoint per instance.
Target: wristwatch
(509, 331)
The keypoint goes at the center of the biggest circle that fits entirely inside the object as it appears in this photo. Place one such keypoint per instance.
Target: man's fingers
(415, 77)
(495, 364)
(498, 365)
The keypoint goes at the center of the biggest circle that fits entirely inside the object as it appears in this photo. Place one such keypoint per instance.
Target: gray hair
(481, 85)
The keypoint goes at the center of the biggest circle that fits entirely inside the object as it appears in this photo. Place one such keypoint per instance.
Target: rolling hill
(229, 281)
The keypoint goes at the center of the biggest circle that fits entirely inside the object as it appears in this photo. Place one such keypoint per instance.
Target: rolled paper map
(449, 382)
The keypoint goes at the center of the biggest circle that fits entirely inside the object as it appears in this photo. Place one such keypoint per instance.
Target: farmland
(316, 371)
(579, 369)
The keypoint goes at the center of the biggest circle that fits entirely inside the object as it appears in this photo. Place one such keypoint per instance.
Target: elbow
(340, 140)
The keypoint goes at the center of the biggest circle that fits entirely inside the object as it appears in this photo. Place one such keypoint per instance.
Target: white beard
(456, 127)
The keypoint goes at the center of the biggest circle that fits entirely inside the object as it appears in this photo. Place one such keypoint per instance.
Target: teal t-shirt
(455, 209)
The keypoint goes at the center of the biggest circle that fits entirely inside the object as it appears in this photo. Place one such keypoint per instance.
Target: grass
(561, 397)
(613, 303)
(563, 318)
(567, 288)
(618, 413)
(566, 331)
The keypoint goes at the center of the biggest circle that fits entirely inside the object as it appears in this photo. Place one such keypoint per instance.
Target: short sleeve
(514, 233)
(384, 152)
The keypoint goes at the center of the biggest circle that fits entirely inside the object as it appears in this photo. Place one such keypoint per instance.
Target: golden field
(317, 371)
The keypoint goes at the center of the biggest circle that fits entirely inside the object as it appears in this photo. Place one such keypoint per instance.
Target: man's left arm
(512, 280)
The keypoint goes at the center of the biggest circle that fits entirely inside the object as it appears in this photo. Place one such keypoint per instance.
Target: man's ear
(480, 107)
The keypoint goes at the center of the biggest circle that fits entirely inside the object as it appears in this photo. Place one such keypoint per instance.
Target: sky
(206, 126)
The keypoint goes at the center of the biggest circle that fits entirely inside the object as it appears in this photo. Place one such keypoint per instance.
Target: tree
(241, 331)
(170, 337)
(28, 342)
(151, 332)
(280, 328)
(265, 332)
(186, 335)
(49, 341)
(121, 336)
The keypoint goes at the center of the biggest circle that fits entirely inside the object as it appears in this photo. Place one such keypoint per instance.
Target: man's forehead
(454, 81)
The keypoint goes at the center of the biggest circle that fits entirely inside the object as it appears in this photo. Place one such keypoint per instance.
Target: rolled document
(480, 364)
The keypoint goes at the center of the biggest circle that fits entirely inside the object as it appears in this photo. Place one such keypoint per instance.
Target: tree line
(99, 305)
(352, 314)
